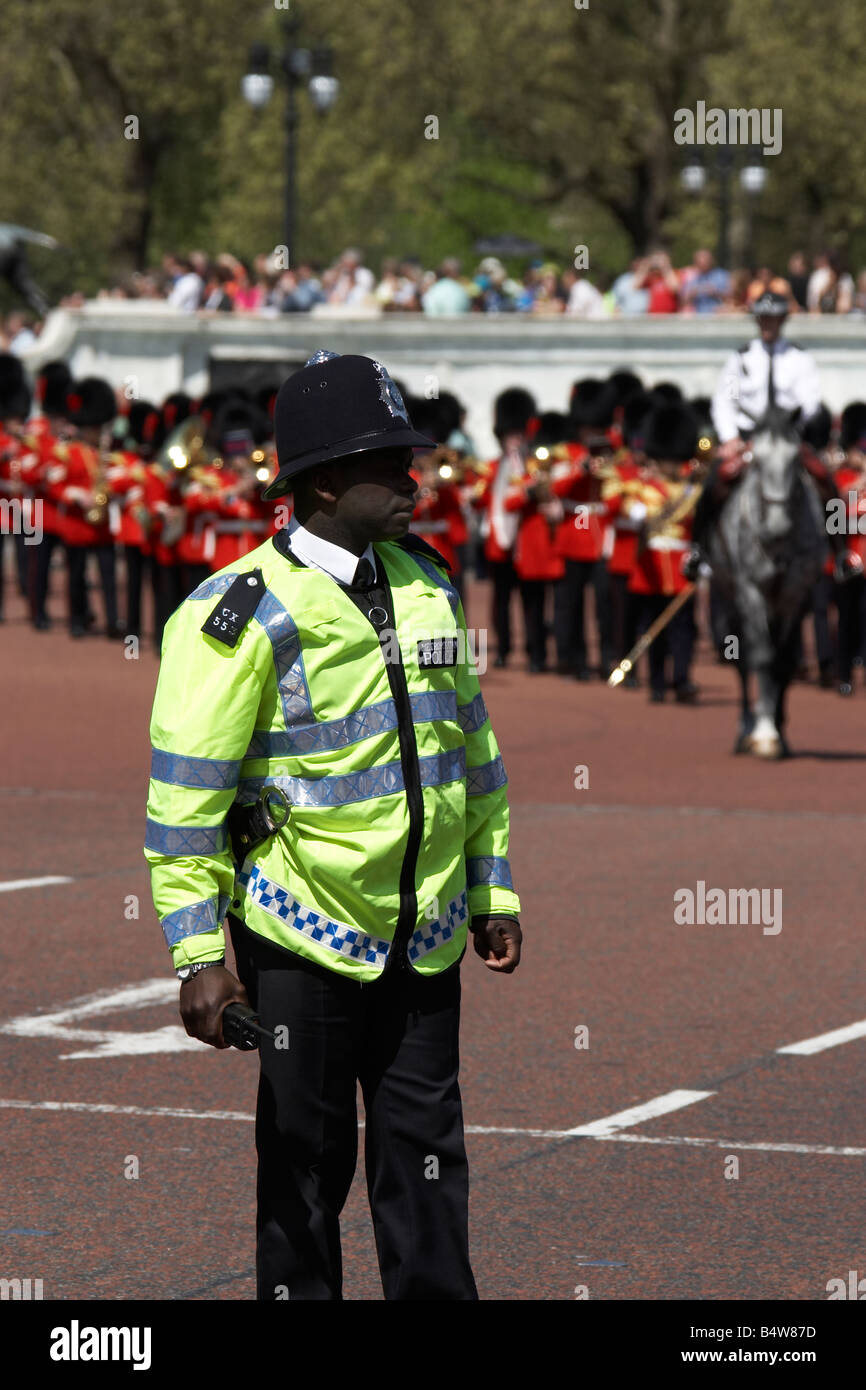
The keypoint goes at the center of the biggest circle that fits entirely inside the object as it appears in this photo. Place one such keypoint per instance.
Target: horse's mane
(781, 424)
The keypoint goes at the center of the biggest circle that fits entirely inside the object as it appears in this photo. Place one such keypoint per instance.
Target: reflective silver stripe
(212, 774)
(434, 934)
(486, 778)
(335, 936)
(288, 660)
(364, 785)
(443, 767)
(211, 587)
(473, 715)
(488, 870)
(179, 840)
(364, 723)
(193, 920)
(439, 579)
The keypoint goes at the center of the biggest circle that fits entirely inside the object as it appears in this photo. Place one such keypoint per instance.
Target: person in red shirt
(502, 499)
(851, 595)
(661, 280)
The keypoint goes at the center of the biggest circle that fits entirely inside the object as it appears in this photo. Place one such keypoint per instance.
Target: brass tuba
(185, 447)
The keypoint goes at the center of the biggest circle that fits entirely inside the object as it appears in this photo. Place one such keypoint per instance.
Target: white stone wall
(159, 350)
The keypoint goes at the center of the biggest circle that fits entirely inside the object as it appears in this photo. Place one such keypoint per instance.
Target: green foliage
(554, 123)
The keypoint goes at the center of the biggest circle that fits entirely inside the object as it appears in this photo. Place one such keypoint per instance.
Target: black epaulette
(797, 346)
(235, 608)
(744, 348)
(415, 544)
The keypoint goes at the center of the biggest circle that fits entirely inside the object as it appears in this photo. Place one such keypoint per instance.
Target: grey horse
(767, 548)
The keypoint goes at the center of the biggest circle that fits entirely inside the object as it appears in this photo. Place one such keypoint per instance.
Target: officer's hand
(202, 1000)
(734, 456)
(497, 942)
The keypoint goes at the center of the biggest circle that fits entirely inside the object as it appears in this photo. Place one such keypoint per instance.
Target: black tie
(771, 385)
(365, 576)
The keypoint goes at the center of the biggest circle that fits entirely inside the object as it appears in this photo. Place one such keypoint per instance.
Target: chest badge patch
(437, 651)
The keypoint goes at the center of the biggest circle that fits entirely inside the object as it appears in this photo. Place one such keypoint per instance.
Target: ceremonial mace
(618, 675)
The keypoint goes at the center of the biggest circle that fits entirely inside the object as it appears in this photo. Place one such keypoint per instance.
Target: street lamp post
(257, 86)
(753, 178)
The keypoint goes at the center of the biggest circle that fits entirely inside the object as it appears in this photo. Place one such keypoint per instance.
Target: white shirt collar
(323, 555)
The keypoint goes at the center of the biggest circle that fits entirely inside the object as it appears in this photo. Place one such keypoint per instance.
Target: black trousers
(568, 614)
(504, 579)
(677, 641)
(136, 563)
(40, 573)
(623, 615)
(823, 595)
(851, 601)
(76, 558)
(168, 594)
(399, 1038)
(533, 593)
(192, 576)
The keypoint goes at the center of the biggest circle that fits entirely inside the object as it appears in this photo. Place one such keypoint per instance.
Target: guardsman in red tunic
(851, 595)
(42, 430)
(128, 513)
(202, 487)
(663, 501)
(439, 513)
(536, 558)
(616, 492)
(502, 499)
(438, 516)
(182, 447)
(243, 518)
(77, 476)
(584, 532)
(17, 517)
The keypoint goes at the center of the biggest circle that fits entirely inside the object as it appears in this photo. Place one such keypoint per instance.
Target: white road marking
(11, 885)
(841, 1152)
(109, 1042)
(659, 1105)
(103, 1108)
(667, 1140)
(825, 1040)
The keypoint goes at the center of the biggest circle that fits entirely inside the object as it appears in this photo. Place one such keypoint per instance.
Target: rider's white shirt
(741, 394)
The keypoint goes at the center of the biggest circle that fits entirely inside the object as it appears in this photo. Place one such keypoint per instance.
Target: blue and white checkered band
(323, 355)
(389, 393)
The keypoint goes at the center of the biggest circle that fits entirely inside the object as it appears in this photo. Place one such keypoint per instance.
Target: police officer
(767, 371)
(329, 669)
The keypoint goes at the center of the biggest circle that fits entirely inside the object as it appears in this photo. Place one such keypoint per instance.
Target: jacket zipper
(396, 673)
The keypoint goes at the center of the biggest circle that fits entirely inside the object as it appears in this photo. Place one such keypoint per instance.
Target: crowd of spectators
(197, 282)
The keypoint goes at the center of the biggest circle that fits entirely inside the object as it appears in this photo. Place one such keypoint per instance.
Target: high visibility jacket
(399, 820)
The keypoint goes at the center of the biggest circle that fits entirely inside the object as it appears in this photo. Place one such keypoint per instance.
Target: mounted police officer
(328, 670)
(767, 372)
